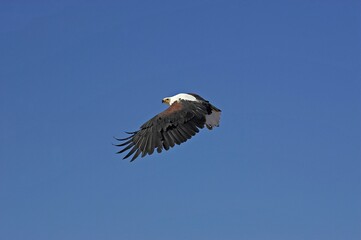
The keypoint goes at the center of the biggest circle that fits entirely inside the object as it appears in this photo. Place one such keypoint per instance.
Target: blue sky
(284, 164)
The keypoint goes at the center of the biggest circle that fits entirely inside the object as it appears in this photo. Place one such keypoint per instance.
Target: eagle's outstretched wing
(175, 125)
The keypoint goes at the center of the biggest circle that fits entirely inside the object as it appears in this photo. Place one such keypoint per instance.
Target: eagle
(186, 114)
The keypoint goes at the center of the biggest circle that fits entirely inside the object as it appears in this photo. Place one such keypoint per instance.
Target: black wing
(175, 125)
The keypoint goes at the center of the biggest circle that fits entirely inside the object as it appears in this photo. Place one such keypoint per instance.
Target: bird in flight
(186, 114)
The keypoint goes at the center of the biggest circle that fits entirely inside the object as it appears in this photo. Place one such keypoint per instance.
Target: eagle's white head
(180, 96)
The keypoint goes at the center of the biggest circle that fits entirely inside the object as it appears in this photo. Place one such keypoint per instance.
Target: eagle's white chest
(182, 96)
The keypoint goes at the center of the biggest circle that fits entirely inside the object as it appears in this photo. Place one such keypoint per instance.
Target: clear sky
(284, 164)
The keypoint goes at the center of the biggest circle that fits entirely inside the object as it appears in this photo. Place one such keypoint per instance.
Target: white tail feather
(212, 120)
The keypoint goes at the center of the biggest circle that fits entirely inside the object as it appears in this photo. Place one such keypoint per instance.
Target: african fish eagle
(187, 112)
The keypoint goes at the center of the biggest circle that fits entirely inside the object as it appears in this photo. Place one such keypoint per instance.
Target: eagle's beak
(165, 100)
